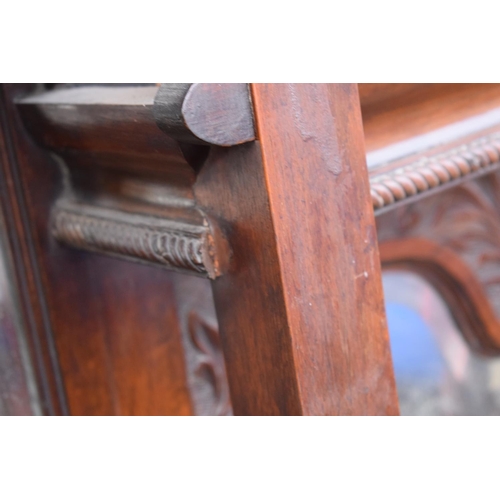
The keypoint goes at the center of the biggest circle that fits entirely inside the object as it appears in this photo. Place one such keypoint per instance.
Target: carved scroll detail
(209, 363)
(172, 244)
(453, 239)
(431, 172)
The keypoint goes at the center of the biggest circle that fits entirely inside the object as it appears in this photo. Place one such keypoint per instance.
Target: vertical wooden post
(301, 310)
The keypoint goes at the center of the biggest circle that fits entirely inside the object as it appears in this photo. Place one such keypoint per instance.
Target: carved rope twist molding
(432, 172)
(173, 248)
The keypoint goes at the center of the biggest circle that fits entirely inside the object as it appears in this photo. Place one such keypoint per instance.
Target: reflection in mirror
(436, 371)
(18, 393)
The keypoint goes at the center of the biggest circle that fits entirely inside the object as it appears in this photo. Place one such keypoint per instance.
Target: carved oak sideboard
(217, 249)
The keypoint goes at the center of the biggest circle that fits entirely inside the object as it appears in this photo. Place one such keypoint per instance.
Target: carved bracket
(128, 188)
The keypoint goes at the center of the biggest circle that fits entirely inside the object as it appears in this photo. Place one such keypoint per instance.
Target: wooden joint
(128, 189)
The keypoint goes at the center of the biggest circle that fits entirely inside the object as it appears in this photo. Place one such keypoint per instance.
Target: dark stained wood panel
(24, 296)
(114, 323)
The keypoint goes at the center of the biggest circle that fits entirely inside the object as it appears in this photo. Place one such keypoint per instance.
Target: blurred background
(436, 371)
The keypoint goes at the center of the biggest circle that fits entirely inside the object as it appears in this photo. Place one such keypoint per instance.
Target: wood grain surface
(301, 311)
(115, 324)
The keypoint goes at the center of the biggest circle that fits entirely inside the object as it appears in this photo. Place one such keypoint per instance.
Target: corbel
(129, 158)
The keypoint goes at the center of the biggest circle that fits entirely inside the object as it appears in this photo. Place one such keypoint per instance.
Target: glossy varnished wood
(396, 113)
(300, 310)
(298, 298)
(115, 324)
(128, 184)
(33, 383)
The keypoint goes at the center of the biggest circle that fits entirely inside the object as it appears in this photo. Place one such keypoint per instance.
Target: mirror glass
(436, 371)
